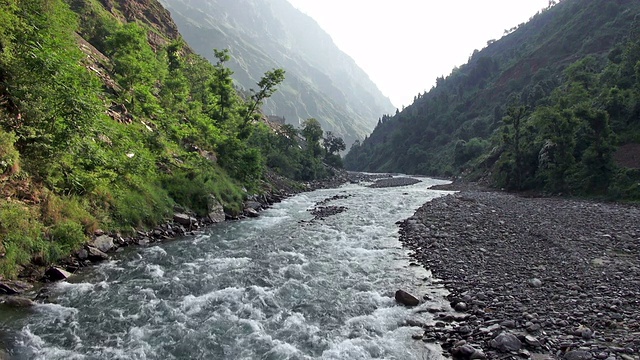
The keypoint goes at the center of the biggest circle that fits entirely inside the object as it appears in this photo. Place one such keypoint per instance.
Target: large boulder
(251, 212)
(56, 274)
(17, 302)
(103, 243)
(96, 255)
(183, 219)
(506, 342)
(406, 299)
(216, 211)
(13, 287)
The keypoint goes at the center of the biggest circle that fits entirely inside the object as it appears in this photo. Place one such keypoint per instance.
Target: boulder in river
(18, 302)
(216, 211)
(96, 255)
(56, 274)
(9, 287)
(406, 299)
(251, 212)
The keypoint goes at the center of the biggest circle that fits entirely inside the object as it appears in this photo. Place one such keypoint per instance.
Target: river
(276, 287)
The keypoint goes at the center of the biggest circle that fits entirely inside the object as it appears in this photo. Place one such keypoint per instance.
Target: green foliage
(21, 235)
(9, 156)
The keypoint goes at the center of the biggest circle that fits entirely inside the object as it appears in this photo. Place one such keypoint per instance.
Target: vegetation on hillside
(115, 142)
(544, 108)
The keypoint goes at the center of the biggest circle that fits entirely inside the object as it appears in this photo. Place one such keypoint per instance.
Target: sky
(404, 45)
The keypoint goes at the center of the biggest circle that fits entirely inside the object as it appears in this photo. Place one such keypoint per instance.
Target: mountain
(553, 105)
(321, 82)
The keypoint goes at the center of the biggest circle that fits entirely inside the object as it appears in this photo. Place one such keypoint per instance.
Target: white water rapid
(276, 287)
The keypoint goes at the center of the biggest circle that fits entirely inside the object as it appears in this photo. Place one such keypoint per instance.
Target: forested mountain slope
(108, 120)
(546, 107)
(322, 81)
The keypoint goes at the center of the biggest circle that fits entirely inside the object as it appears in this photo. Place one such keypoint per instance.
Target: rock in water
(56, 274)
(13, 287)
(251, 212)
(96, 255)
(18, 302)
(506, 342)
(406, 299)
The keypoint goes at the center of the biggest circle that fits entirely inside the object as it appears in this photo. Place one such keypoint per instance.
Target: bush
(9, 156)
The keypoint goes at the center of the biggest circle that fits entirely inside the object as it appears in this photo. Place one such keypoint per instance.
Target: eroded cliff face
(149, 12)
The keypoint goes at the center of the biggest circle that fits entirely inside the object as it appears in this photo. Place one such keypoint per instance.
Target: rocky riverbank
(104, 244)
(542, 278)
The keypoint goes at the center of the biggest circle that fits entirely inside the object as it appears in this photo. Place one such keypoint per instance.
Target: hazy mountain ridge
(458, 126)
(322, 81)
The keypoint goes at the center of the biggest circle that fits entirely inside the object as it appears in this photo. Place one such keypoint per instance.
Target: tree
(266, 87)
(221, 86)
(312, 132)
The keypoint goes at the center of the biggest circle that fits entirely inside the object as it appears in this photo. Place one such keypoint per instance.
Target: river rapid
(280, 286)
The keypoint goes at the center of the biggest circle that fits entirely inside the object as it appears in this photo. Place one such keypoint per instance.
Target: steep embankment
(532, 275)
(109, 123)
(544, 107)
(322, 82)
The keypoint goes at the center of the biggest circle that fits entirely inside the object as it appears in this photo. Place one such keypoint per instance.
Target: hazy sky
(405, 44)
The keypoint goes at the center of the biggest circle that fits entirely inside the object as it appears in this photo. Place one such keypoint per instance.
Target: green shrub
(20, 234)
(9, 156)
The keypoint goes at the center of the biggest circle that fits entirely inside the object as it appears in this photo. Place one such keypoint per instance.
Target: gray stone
(252, 205)
(82, 254)
(96, 255)
(461, 306)
(18, 302)
(13, 287)
(532, 341)
(506, 342)
(103, 243)
(406, 299)
(578, 355)
(535, 282)
(56, 274)
(216, 211)
(183, 219)
(251, 212)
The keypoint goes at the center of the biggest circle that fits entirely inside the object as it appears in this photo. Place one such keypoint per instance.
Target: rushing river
(276, 287)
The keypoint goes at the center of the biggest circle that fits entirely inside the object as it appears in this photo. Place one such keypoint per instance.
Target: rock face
(545, 276)
(216, 211)
(406, 299)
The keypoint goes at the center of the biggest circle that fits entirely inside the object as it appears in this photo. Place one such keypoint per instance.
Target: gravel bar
(541, 278)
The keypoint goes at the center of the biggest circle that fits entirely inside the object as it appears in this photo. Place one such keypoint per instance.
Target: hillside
(322, 81)
(109, 122)
(544, 107)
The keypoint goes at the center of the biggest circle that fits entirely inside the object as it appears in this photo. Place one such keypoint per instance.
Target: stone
(183, 219)
(406, 299)
(18, 302)
(506, 342)
(56, 274)
(532, 341)
(461, 306)
(578, 355)
(251, 212)
(253, 205)
(96, 255)
(103, 243)
(13, 287)
(82, 254)
(535, 282)
(216, 211)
